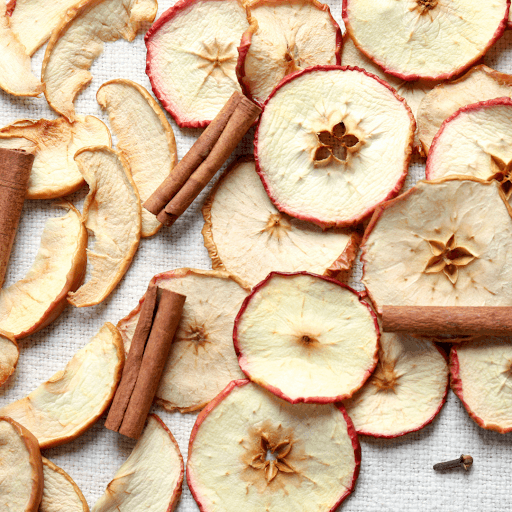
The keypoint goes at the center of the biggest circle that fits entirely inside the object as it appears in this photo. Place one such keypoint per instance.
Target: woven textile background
(396, 475)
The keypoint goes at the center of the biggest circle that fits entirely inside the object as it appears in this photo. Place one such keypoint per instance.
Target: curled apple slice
(192, 56)
(246, 235)
(21, 468)
(136, 118)
(112, 213)
(306, 338)
(479, 84)
(9, 353)
(152, 476)
(480, 376)
(40, 297)
(15, 75)
(78, 40)
(60, 490)
(405, 392)
(339, 155)
(249, 450)
(202, 360)
(54, 172)
(430, 39)
(66, 405)
(285, 36)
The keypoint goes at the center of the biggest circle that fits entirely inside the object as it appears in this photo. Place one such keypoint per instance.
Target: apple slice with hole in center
(306, 338)
(250, 450)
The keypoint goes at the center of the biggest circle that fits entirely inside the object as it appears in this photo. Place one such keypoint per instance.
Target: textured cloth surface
(396, 475)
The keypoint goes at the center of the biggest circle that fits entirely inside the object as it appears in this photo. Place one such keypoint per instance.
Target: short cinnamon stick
(438, 321)
(15, 167)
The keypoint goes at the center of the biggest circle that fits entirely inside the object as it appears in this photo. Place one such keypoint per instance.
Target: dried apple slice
(21, 468)
(202, 360)
(59, 267)
(443, 243)
(283, 37)
(249, 450)
(78, 40)
(136, 118)
(9, 354)
(246, 235)
(192, 56)
(429, 39)
(332, 158)
(15, 75)
(479, 84)
(112, 213)
(60, 491)
(406, 391)
(65, 406)
(306, 338)
(54, 172)
(152, 476)
(480, 376)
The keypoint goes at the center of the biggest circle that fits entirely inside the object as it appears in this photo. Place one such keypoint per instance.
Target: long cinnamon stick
(15, 167)
(191, 161)
(431, 320)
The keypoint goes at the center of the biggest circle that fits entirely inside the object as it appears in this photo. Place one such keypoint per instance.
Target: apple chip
(21, 468)
(202, 360)
(40, 297)
(332, 158)
(78, 40)
(9, 353)
(136, 118)
(54, 172)
(112, 213)
(192, 56)
(479, 84)
(152, 476)
(431, 39)
(475, 141)
(65, 406)
(285, 36)
(250, 450)
(480, 376)
(60, 493)
(306, 338)
(443, 243)
(246, 235)
(406, 391)
(15, 75)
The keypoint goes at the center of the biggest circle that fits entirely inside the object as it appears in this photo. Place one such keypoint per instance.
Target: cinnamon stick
(144, 368)
(15, 167)
(433, 320)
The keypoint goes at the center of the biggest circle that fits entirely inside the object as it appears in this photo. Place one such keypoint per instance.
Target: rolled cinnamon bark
(439, 321)
(15, 167)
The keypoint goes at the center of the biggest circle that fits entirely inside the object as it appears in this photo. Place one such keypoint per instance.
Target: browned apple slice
(250, 450)
(283, 37)
(306, 338)
(246, 235)
(9, 353)
(192, 56)
(202, 360)
(78, 40)
(40, 297)
(54, 172)
(406, 391)
(21, 468)
(152, 476)
(479, 84)
(136, 118)
(480, 376)
(338, 155)
(112, 213)
(430, 39)
(66, 405)
(60, 491)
